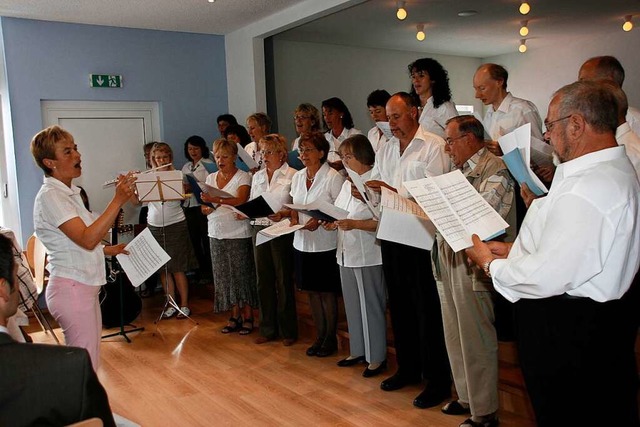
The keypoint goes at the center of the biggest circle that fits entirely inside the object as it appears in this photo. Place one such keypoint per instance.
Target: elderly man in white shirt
(414, 305)
(571, 268)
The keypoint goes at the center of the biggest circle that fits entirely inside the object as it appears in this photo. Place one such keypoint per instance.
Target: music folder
(260, 207)
(196, 190)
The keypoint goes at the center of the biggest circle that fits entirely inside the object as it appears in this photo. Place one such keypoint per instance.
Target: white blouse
(200, 172)
(56, 204)
(434, 119)
(376, 138)
(222, 223)
(334, 143)
(356, 248)
(280, 185)
(326, 186)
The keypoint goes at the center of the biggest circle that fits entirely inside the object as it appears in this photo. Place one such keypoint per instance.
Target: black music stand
(116, 273)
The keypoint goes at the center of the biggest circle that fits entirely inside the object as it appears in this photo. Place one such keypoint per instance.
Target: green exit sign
(105, 80)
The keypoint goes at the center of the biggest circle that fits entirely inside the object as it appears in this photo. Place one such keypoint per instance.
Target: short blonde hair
(159, 146)
(275, 142)
(223, 144)
(43, 145)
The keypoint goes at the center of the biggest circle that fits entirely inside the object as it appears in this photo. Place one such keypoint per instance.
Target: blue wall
(185, 73)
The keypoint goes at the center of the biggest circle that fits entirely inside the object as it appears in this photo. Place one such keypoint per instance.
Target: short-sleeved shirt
(222, 223)
(56, 204)
(279, 187)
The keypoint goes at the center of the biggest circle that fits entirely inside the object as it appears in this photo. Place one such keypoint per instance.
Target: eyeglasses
(549, 125)
(300, 117)
(268, 152)
(305, 150)
(450, 141)
(347, 156)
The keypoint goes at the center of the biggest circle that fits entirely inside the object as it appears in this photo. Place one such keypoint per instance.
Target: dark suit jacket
(48, 385)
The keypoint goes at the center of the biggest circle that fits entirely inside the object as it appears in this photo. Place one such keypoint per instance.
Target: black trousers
(578, 360)
(416, 318)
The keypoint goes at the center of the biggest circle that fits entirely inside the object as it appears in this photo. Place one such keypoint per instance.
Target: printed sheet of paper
(517, 148)
(214, 192)
(246, 158)
(160, 186)
(386, 129)
(276, 230)
(403, 221)
(368, 195)
(145, 257)
(196, 189)
(321, 210)
(456, 209)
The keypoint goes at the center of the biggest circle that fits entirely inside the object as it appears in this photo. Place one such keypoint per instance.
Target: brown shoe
(262, 340)
(288, 342)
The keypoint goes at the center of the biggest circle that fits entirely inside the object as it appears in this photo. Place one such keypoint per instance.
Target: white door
(110, 137)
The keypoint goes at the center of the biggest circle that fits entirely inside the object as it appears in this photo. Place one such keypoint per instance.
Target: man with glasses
(570, 270)
(466, 293)
(412, 153)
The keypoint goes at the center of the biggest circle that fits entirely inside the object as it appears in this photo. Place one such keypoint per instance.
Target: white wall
(245, 52)
(536, 74)
(313, 72)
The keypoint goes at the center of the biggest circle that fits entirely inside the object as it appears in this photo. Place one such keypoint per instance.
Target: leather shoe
(455, 408)
(288, 342)
(431, 396)
(262, 340)
(397, 381)
(311, 351)
(368, 373)
(350, 362)
(326, 350)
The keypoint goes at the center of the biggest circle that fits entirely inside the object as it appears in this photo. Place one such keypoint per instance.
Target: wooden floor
(183, 374)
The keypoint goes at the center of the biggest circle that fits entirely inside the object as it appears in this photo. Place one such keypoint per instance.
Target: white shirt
(295, 144)
(434, 119)
(423, 157)
(165, 214)
(582, 238)
(356, 248)
(326, 186)
(625, 136)
(200, 172)
(334, 143)
(56, 204)
(280, 185)
(252, 149)
(512, 113)
(222, 223)
(376, 138)
(633, 118)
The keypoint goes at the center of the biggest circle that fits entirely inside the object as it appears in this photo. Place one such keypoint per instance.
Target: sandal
(233, 326)
(246, 330)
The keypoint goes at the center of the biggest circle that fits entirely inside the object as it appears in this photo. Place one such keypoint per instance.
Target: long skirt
(234, 273)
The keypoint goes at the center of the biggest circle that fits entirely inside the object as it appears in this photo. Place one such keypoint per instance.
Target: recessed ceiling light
(466, 13)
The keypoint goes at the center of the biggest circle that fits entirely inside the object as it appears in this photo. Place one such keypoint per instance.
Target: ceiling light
(524, 8)
(524, 30)
(628, 25)
(211, 1)
(523, 47)
(420, 35)
(466, 13)
(401, 13)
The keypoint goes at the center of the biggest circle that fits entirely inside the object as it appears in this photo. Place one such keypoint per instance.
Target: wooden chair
(36, 255)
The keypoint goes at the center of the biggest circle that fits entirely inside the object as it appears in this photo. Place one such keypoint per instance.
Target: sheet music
(403, 221)
(517, 148)
(215, 192)
(276, 230)
(145, 257)
(325, 208)
(160, 186)
(367, 193)
(456, 209)
(391, 199)
(386, 129)
(246, 157)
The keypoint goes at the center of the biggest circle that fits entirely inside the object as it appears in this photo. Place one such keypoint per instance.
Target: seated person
(43, 384)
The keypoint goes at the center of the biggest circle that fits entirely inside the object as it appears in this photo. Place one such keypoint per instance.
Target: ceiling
(493, 31)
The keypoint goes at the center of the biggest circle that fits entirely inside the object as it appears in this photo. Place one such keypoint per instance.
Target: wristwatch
(485, 267)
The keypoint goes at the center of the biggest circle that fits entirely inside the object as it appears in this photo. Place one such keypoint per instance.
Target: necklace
(309, 178)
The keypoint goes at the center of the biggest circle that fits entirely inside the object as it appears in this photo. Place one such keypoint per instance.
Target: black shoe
(431, 396)
(350, 362)
(489, 422)
(326, 350)
(311, 351)
(368, 373)
(397, 381)
(455, 408)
